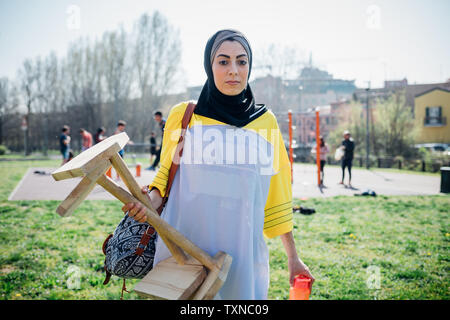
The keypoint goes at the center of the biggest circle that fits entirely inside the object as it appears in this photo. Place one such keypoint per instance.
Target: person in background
(100, 135)
(64, 143)
(349, 147)
(162, 123)
(323, 158)
(71, 155)
(153, 150)
(120, 128)
(86, 139)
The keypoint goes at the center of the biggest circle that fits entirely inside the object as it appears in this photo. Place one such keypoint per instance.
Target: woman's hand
(297, 267)
(295, 264)
(137, 211)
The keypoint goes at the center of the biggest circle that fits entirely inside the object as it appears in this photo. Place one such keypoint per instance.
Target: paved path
(382, 182)
(42, 187)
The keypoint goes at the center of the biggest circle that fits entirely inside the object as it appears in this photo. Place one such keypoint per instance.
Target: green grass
(406, 238)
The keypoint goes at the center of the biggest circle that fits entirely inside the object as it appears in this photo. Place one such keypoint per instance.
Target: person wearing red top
(86, 139)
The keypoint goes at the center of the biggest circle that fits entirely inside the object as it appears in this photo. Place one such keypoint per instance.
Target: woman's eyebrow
(228, 57)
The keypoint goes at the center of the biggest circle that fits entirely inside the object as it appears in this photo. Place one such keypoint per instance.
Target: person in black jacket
(349, 147)
(153, 151)
(100, 135)
(161, 122)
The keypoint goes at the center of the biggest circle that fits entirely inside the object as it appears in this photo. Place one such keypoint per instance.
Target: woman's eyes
(225, 62)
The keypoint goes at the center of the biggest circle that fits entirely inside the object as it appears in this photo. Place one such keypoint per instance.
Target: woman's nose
(233, 68)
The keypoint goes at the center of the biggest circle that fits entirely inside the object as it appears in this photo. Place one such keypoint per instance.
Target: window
(433, 116)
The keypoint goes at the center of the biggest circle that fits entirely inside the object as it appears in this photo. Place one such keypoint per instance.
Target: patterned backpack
(130, 250)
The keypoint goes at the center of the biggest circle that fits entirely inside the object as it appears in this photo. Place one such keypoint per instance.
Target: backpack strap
(178, 153)
(173, 170)
(108, 274)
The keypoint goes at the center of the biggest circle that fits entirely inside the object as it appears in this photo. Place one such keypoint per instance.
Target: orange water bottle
(301, 289)
(138, 169)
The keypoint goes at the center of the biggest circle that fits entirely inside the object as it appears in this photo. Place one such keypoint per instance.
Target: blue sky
(352, 39)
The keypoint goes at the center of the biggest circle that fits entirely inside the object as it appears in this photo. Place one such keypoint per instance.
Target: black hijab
(238, 110)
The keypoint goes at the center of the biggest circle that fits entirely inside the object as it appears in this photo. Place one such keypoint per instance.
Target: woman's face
(230, 68)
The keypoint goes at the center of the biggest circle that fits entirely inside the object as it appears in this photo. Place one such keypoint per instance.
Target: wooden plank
(83, 189)
(215, 279)
(84, 162)
(135, 190)
(159, 224)
(168, 280)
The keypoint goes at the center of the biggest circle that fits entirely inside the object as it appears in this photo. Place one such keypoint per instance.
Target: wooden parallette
(190, 273)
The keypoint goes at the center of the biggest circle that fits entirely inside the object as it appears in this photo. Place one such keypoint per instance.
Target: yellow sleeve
(172, 131)
(278, 214)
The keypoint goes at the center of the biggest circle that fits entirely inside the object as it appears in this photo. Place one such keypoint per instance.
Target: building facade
(394, 86)
(431, 112)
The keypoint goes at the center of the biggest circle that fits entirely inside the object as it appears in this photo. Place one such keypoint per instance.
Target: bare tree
(395, 126)
(120, 76)
(156, 59)
(28, 75)
(273, 65)
(8, 103)
(83, 74)
(284, 61)
(117, 70)
(157, 54)
(50, 95)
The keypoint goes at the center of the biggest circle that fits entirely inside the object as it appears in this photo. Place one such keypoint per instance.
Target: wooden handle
(160, 225)
(135, 190)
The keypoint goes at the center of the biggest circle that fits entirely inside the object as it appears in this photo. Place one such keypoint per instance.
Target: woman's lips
(232, 83)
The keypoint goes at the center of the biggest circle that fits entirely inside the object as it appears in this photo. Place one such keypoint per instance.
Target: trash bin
(445, 179)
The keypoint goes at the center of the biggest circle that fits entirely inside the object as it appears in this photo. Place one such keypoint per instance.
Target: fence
(395, 163)
(304, 155)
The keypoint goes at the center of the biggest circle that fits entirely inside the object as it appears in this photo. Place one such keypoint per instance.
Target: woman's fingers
(135, 211)
(136, 208)
(309, 275)
(297, 267)
(127, 206)
(140, 215)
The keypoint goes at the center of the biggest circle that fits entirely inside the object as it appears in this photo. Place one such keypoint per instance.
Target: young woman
(233, 186)
(323, 158)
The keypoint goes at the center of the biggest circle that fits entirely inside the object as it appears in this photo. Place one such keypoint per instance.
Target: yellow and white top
(232, 187)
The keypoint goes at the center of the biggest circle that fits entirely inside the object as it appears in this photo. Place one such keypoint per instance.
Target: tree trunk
(1, 130)
(27, 146)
